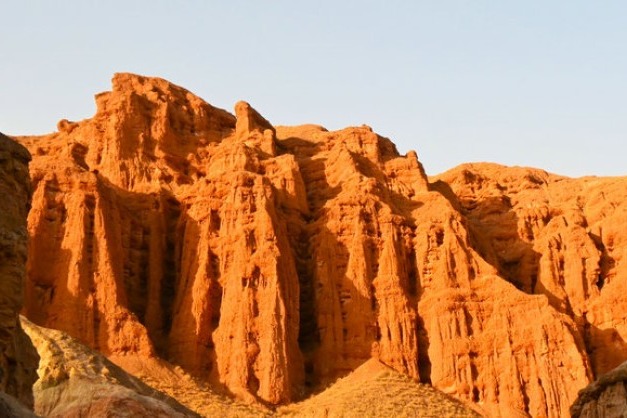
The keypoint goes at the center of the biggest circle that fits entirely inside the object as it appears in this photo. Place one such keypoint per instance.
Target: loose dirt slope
(375, 390)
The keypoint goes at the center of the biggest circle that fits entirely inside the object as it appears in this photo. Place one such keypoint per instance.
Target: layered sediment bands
(75, 381)
(272, 260)
(18, 360)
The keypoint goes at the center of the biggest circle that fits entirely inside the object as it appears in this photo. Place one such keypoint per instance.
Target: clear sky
(534, 83)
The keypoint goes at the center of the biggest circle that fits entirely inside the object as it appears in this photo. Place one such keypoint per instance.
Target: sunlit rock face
(271, 260)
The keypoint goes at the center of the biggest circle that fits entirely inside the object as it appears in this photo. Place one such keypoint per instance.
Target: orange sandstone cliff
(555, 236)
(269, 261)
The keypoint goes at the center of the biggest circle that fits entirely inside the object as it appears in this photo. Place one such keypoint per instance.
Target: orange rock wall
(271, 260)
(559, 237)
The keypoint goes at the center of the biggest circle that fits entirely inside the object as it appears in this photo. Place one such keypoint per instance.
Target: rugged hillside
(555, 236)
(18, 360)
(270, 261)
(606, 397)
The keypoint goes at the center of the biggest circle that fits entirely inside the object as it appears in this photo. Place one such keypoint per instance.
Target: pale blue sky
(535, 83)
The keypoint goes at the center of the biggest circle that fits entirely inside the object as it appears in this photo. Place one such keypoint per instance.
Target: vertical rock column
(18, 360)
(256, 341)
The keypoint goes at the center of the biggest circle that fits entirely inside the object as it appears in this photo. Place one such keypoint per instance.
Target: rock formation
(18, 360)
(558, 237)
(75, 381)
(270, 261)
(605, 397)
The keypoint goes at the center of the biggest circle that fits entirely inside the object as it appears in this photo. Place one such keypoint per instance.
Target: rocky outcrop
(604, 398)
(269, 261)
(75, 381)
(18, 361)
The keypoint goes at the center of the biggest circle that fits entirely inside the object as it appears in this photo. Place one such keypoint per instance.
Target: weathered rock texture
(604, 398)
(18, 360)
(75, 381)
(555, 236)
(272, 260)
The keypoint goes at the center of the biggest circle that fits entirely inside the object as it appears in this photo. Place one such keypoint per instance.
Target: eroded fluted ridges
(271, 261)
(555, 236)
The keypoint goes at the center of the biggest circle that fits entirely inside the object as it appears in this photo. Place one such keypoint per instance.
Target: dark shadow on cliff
(493, 230)
(607, 262)
(606, 348)
(301, 230)
(136, 211)
(495, 235)
(334, 349)
(144, 234)
(315, 246)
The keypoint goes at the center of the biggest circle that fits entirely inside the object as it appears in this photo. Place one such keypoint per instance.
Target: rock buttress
(18, 361)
